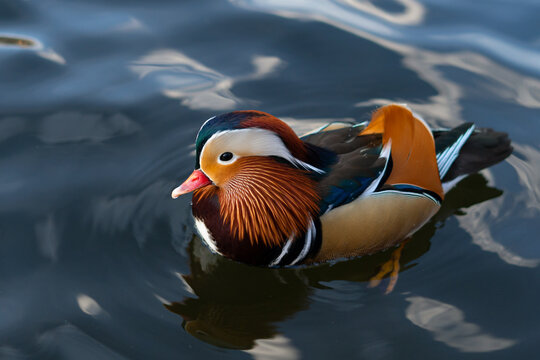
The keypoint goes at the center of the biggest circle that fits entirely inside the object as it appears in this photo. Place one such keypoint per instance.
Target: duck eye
(226, 156)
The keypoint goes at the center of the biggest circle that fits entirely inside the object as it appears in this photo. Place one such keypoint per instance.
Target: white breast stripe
(205, 234)
(385, 153)
(305, 165)
(284, 252)
(307, 243)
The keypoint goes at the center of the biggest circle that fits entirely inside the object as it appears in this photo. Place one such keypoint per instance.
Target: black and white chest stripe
(206, 236)
(298, 249)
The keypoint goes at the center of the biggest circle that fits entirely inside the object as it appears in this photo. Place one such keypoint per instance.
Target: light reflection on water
(278, 347)
(412, 14)
(448, 325)
(197, 86)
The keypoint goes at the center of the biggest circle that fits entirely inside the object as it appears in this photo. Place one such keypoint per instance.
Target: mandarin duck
(264, 196)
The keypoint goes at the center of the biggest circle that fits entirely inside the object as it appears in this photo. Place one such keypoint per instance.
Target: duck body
(264, 196)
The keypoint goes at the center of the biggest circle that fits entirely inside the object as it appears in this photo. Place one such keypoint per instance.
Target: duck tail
(476, 149)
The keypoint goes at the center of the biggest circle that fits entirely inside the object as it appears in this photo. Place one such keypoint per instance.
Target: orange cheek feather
(263, 200)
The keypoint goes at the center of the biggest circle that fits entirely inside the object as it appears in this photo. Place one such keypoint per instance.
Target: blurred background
(100, 103)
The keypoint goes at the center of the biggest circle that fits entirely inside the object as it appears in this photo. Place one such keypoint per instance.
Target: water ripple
(448, 325)
(68, 341)
(196, 85)
(366, 20)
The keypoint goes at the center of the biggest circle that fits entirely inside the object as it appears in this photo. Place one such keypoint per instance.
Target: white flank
(205, 234)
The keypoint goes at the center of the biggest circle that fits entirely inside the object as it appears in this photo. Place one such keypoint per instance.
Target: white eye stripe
(253, 142)
(245, 142)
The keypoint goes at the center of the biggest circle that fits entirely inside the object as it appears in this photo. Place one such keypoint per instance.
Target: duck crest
(262, 120)
(246, 119)
(266, 203)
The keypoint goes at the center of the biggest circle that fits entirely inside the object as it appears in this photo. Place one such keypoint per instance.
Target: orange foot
(390, 267)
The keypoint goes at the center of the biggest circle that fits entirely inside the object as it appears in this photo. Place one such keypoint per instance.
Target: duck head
(254, 180)
(224, 139)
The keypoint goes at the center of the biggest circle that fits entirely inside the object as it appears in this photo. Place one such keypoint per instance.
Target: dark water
(99, 105)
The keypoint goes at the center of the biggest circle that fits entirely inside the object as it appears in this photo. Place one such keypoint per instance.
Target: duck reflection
(237, 304)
